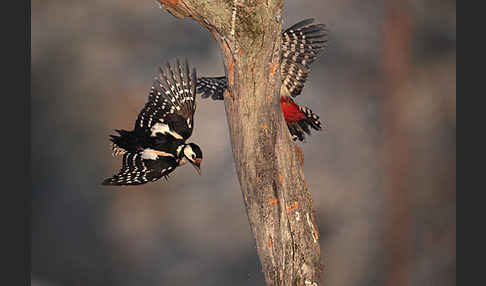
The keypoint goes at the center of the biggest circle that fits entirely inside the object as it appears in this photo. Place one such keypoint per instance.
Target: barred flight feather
(137, 171)
(302, 44)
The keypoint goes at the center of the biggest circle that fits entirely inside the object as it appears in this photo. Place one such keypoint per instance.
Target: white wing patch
(149, 154)
(164, 129)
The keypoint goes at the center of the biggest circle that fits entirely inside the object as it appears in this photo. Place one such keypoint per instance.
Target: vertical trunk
(277, 200)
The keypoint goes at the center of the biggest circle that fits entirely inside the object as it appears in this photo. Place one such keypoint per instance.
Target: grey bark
(277, 200)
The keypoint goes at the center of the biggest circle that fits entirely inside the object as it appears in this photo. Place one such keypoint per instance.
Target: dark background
(382, 175)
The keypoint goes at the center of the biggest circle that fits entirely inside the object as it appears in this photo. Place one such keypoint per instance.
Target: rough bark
(277, 200)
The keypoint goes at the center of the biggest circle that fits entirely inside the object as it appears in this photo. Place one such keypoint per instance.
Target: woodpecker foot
(300, 155)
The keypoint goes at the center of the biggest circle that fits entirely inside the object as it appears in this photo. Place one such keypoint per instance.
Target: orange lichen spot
(229, 93)
(231, 74)
(265, 126)
(281, 178)
(173, 8)
(273, 202)
(293, 206)
(273, 69)
(241, 52)
(171, 2)
(269, 243)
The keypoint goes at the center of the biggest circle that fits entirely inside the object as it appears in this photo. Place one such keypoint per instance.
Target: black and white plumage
(213, 87)
(300, 119)
(157, 144)
(302, 44)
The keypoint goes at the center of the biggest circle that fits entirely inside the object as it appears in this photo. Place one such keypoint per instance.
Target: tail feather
(305, 126)
(126, 141)
(311, 118)
(298, 129)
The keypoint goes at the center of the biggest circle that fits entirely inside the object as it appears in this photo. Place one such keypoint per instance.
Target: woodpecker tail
(311, 118)
(213, 87)
(136, 170)
(127, 141)
(304, 125)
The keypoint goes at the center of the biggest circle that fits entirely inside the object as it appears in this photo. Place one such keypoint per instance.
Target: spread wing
(301, 46)
(137, 171)
(171, 105)
(212, 86)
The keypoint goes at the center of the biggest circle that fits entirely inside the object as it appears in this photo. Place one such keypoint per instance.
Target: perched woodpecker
(298, 118)
(157, 145)
(301, 46)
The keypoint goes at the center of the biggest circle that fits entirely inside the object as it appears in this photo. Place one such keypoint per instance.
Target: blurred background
(382, 175)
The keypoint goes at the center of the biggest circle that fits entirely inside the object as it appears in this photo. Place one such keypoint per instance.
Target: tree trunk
(277, 200)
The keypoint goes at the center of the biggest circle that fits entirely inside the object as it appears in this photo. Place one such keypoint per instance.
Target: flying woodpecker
(157, 144)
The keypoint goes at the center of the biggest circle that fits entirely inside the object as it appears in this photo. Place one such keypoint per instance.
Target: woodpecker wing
(301, 46)
(213, 87)
(136, 170)
(311, 119)
(172, 104)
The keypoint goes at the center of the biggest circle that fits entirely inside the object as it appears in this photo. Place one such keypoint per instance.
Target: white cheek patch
(188, 152)
(164, 129)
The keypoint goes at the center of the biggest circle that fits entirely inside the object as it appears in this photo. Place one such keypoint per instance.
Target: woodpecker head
(193, 154)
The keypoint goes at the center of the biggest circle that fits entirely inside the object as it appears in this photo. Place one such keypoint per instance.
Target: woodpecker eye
(193, 156)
